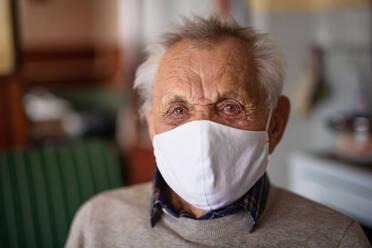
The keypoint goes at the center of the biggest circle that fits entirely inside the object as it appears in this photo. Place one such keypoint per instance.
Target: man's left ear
(278, 122)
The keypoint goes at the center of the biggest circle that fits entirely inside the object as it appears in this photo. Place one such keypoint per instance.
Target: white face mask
(211, 165)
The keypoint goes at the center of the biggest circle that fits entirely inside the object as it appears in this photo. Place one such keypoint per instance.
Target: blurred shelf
(345, 186)
(302, 6)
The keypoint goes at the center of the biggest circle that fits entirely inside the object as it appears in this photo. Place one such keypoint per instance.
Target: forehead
(196, 71)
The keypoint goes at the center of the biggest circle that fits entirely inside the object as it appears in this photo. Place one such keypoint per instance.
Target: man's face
(216, 83)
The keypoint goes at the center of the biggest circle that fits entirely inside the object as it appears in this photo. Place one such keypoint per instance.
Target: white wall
(161, 15)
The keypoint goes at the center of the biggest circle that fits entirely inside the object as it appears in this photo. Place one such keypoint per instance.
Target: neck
(181, 205)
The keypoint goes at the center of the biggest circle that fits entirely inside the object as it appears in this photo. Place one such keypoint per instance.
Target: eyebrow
(229, 94)
(175, 99)
(232, 95)
(226, 95)
(165, 103)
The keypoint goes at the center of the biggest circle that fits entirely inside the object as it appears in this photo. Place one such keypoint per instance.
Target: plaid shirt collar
(253, 201)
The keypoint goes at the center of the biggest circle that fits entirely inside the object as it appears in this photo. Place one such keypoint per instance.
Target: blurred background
(69, 125)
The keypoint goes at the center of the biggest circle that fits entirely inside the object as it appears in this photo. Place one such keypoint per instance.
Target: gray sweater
(120, 218)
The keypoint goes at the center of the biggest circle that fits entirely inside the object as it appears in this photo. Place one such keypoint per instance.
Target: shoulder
(311, 222)
(284, 201)
(109, 214)
(132, 197)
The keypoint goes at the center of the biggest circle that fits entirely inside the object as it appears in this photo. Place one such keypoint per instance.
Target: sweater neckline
(205, 230)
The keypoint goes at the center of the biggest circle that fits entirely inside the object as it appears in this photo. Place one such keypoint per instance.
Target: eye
(179, 111)
(178, 114)
(232, 108)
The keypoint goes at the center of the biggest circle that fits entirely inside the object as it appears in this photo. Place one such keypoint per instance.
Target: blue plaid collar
(253, 201)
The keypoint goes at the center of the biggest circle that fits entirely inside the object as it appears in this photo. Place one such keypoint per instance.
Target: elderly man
(211, 98)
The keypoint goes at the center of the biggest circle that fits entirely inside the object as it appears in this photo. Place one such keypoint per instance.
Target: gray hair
(268, 57)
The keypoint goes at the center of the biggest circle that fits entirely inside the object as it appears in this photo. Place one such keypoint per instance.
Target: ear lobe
(150, 124)
(279, 122)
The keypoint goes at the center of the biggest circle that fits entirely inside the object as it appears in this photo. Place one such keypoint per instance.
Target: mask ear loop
(268, 126)
(268, 120)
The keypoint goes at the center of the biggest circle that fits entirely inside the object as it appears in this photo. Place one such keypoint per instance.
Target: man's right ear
(150, 124)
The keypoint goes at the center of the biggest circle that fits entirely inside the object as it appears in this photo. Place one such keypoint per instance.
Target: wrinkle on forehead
(202, 75)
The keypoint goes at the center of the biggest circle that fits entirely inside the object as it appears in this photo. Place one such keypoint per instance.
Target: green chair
(41, 189)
